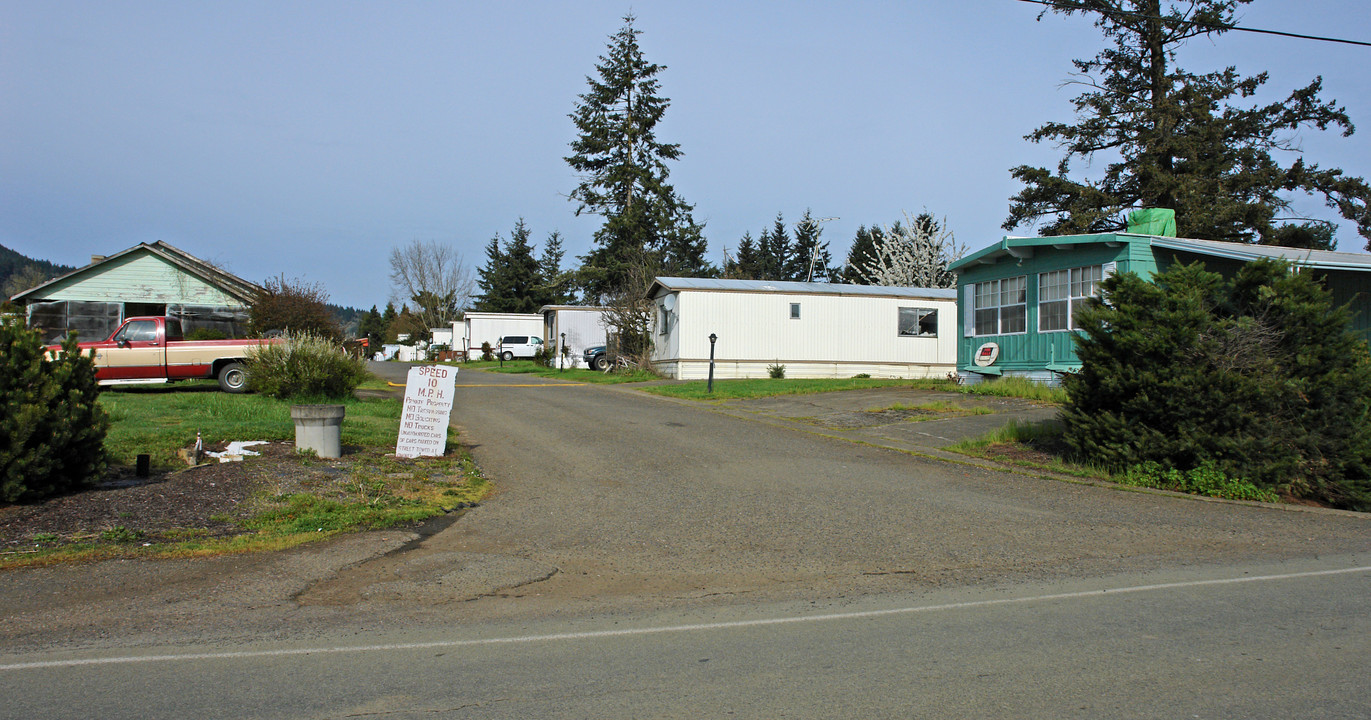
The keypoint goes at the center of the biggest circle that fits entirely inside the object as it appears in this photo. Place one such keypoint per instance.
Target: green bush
(544, 356)
(776, 372)
(305, 366)
(52, 428)
(1203, 480)
(1257, 377)
(207, 334)
(487, 352)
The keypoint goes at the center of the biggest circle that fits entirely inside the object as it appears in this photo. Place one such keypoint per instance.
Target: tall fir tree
(746, 263)
(861, 254)
(554, 282)
(810, 258)
(775, 250)
(512, 278)
(1179, 140)
(623, 169)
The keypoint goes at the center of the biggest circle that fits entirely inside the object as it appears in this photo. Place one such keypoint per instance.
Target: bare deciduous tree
(629, 312)
(433, 278)
(914, 254)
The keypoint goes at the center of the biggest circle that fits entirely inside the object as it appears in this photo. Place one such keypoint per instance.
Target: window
(664, 326)
(794, 311)
(1061, 292)
(918, 322)
(138, 331)
(1002, 306)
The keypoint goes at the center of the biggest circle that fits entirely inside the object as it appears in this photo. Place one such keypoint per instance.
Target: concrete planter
(319, 428)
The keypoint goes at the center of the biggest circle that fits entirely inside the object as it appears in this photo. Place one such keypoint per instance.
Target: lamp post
(712, 339)
(814, 251)
(562, 354)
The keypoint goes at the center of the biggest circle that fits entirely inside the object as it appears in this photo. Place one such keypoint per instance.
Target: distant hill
(25, 271)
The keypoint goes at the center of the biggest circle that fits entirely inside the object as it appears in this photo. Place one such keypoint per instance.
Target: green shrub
(305, 366)
(1203, 480)
(206, 334)
(776, 372)
(487, 352)
(52, 429)
(1257, 377)
(544, 356)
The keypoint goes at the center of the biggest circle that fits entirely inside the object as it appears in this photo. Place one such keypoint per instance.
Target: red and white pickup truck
(152, 350)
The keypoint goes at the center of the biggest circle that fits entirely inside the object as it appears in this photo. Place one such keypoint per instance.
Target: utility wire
(1057, 6)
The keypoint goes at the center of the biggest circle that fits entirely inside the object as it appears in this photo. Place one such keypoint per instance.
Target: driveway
(609, 497)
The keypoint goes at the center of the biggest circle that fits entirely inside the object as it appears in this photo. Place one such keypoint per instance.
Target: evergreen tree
(810, 258)
(746, 266)
(492, 279)
(623, 168)
(775, 250)
(389, 315)
(1258, 377)
(1176, 139)
(372, 327)
(862, 253)
(554, 283)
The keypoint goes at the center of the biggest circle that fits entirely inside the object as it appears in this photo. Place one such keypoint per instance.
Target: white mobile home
(813, 329)
(483, 327)
(584, 326)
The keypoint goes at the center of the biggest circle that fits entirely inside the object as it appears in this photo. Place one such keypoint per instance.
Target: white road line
(595, 634)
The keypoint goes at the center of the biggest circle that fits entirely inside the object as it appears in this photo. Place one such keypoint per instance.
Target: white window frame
(920, 314)
(1000, 293)
(794, 311)
(1081, 283)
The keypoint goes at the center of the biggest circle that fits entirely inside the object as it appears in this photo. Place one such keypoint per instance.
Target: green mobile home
(147, 279)
(1018, 296)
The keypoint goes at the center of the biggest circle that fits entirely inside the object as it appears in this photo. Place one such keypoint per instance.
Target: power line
(1056, 5)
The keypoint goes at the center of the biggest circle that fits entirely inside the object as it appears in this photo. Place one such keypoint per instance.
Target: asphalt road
(651, 558)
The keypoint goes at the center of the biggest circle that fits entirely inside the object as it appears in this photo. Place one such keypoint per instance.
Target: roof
(231, 284)
(1020, 247)
(1322, 259)
(795, 288)
(598, 308)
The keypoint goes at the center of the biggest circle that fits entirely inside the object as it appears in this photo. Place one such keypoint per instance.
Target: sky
(306, 140)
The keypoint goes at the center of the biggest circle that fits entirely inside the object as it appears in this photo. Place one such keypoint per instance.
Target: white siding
(584, 327)
(139, 277)
(478, 328)
(835, 336)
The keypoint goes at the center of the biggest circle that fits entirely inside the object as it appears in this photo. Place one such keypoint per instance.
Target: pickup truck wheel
(600, 363)
(233, 378)
(506, 356)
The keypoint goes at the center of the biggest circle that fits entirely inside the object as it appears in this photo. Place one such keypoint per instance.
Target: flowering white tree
(915, 253)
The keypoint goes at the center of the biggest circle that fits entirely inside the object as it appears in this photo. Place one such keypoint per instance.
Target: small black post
(142, 469)
(712, 338)
(562, 355)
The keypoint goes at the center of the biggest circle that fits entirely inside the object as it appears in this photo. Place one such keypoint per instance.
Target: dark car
(595, 358)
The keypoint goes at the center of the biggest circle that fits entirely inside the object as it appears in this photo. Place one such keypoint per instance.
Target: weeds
(1203, 480)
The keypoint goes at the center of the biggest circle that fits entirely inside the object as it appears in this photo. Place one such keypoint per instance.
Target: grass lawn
(1039, 446)
(285, 501)
(766, 387)
(528, 367)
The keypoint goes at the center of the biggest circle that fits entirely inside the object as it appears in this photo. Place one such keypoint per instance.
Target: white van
(518, 346)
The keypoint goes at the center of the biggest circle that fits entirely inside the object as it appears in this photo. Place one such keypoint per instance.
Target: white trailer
(815, 330)
(483, 327)
(584, 326)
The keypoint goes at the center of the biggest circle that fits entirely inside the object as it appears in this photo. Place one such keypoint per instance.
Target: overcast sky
(309, 138)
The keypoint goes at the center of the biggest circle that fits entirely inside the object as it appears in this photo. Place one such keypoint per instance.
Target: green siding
(138, 277)
(1033, 351)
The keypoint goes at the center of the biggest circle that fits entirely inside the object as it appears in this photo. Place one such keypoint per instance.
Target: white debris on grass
(236, 450)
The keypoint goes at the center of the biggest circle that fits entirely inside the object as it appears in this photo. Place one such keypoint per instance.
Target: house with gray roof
(816, 330)
(147, 279)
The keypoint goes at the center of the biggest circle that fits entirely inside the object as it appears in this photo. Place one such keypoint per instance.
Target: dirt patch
(203, 501)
